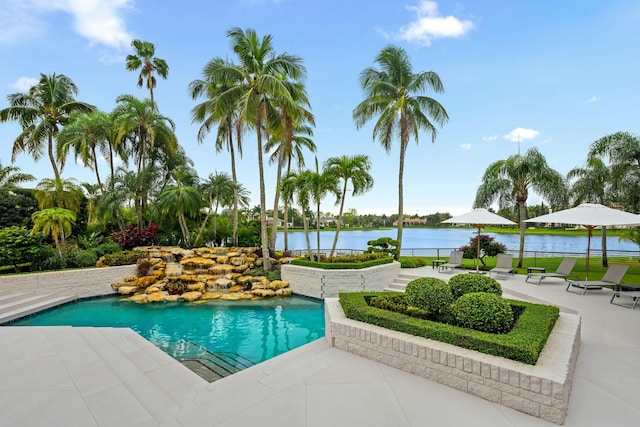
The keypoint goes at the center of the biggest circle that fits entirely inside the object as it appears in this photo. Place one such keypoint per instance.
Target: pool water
(215, 337)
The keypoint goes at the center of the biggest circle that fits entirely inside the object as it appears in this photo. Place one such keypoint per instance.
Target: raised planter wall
(89, 282)
(321, 283)
(542, 390)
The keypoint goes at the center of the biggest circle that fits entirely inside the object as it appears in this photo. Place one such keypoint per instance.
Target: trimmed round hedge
(484, 312)
(467, 283)
(429, 294)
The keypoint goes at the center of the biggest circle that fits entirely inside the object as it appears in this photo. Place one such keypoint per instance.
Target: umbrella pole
(589, 229)
(478, 252)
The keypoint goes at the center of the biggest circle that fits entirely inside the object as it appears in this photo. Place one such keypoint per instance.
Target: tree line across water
(259, 92)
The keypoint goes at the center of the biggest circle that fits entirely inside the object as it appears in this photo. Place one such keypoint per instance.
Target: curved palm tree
(85, 134)
(508, 181)
(321, 184)
(145, 61)
(392, 95)
(256, 85)
(181, 199)
(41, 112)
(592, 184)
(349, 168)
(210, 113)
(56, 222)
(294, 188)
(11, 177)
(218, 190)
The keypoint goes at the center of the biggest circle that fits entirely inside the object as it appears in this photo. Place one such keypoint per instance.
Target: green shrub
(105, 248)
(484, 312)
(523, 343)
(341, 265)
(466, 283)
(273, 274)
(398, 303)
(19, 246)
(429, 294)
(53, 262)
(80, 258)
(120, 258)
(412, 262)
(383, 245)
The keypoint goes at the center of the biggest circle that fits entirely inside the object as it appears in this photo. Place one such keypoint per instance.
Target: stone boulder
(191, 296)
(159, 296)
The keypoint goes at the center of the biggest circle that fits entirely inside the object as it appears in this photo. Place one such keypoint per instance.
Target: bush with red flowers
(133, 236)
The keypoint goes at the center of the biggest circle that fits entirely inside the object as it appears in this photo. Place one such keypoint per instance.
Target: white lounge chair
(612, 277)
(504, 265)
(455, 261)
(563, 271)
(629, 291)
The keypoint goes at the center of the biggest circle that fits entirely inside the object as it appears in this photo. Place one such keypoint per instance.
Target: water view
(448, 238)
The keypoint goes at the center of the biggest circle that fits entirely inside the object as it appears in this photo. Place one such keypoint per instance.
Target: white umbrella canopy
(589, 215)
(479, 218)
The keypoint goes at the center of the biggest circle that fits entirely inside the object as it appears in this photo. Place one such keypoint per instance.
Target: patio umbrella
(589, 215)
(479, 218)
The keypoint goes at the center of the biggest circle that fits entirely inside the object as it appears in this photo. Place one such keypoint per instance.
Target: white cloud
(23, 84)
(99, 21)
(490, 138)
(521, 134)
(593, 99)
(429, 25)
(465, 147)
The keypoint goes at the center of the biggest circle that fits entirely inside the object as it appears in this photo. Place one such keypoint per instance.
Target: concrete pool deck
(67, 376)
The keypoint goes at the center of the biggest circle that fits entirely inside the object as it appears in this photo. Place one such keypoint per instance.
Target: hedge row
(341, 265)
(523, 343)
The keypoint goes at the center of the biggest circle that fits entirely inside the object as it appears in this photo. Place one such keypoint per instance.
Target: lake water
(449, 238)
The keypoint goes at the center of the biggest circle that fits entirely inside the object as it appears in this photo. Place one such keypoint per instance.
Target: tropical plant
(218, 190)
(11, 177)
(509, 181)
(182, 199)
(41, 112)
(144, 60)
(259, 82)
(592, 184)
(488, 247)
(132, 236)
(320, 185)
(19, 246)
(392, 95)
(349, 168)
(64, 193)
(55, 222)
(294, 187)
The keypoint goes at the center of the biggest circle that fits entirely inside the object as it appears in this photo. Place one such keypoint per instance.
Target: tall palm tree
(182, 198)
(294, 188)
(211, 112)
(144, 60)
(41, 112)
(257, 84)
(392, 94)
(218, 190)
(56, 222)
(623, 152)
(349, 168)
(320, 185)
(11, 177)
(85, 134)
(509, 181)
(592, 184)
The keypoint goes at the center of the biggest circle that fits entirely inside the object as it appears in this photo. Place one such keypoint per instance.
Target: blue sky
(558, 74)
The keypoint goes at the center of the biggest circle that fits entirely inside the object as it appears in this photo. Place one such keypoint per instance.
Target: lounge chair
(455, 261)
(563, 271)
(629, 291)
(504, 265)
(612, 277)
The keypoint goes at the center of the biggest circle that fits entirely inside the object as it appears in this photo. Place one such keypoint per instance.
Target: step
(30, 305)
(13, 296)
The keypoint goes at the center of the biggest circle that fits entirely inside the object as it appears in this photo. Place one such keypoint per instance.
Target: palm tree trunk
(234, 177)
(264, 235)
(274, 224)
(335, 238)
(95, 165)
(318, 230)
(305, 222)
(522, 207)
(56, 173)
(605, 260)
(403, 150)
(202, 226)
(185, 229)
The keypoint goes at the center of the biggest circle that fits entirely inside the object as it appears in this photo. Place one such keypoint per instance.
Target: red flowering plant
(133, 236)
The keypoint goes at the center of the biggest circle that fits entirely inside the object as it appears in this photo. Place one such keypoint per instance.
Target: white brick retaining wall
(542, 390)
(89, 282)
(321, 283)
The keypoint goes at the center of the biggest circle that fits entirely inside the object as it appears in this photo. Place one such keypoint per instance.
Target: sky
(517, 74)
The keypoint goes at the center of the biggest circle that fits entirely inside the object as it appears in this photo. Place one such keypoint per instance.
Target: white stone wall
(83, 283)
(321, 283)
(542, 390)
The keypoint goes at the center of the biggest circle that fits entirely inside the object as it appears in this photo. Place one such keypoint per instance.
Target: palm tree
(623, 152)
(256, 85)
(145, 61)
(509, 181)
(182, 199)
(64, 193)
(84, 134)
(41, 112)
(320, 185)
(349, 168)
(392, 95)
(218, 190)
(55, 222)
(592, 184)
(11, 177)
(211, 113)
(294, 187)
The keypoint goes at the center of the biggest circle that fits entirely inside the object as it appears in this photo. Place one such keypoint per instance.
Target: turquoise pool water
(223, 335)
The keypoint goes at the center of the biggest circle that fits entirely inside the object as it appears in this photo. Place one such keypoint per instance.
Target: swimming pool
(214, 339)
